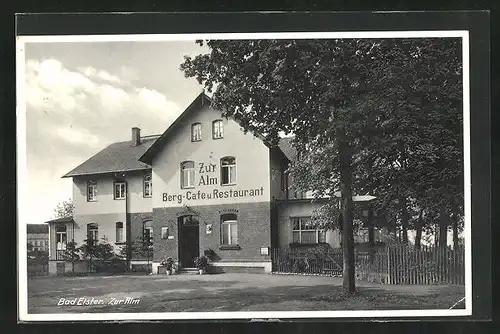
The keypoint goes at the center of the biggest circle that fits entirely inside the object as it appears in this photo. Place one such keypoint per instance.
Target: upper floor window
(119, 232)
(92, 233)
(61, 237)
(120, 190)
(304, 231)
(196, 132)
(91, 191)
(217, 129)
(229, 229)
(228, 170)
(187, 174)
(148, 186)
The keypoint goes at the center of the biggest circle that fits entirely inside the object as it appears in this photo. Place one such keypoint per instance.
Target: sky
(81, 97)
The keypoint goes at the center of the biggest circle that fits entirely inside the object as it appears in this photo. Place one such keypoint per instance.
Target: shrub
(201, 262)
(168, 263)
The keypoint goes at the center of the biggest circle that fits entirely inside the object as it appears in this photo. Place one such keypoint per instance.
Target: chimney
(136, 136)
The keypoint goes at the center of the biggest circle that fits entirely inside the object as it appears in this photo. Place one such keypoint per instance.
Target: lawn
(228, 292)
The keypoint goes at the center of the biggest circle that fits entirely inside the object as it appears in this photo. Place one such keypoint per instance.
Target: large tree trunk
(404, 220)
(455, 233)
(345, 154)
(443, 229)
(418, 228)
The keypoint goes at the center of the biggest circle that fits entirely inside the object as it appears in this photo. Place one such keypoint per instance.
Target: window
(305, 232)
(61, 237)
(284, 181)
(196, 132)
(228, 170)
(164, 232)
(91, 191)
(120, 190)
(148, 236)
(217, 129)
(119, 232)
(92, 234)
(229, 229)
(187, 174)
(148, 186)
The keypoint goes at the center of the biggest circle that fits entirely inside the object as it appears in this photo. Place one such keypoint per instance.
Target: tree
(345, 101)
(142, 247)
(64, 209)
(97, 254)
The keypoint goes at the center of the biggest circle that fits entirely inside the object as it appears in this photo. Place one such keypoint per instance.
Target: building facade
(204, 186)
(38, 236)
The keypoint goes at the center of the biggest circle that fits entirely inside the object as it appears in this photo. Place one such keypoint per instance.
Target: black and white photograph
(221, 176)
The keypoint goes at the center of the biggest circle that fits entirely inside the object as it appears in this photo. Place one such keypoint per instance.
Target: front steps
(188, 271)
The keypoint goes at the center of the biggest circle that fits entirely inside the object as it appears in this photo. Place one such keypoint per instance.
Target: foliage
(374, 116)
(64, 209)
(168, 263)
(201, 262)
(71, 253)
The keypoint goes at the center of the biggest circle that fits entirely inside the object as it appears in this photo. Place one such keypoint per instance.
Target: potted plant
(168, 263)
(201, 264)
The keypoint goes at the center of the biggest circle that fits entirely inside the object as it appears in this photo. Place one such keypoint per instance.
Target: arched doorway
(189, 240)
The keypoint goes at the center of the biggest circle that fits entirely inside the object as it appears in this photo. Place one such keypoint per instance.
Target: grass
(231, 292)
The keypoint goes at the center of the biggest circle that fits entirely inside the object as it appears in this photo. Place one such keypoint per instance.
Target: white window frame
(230, 222)
(93, 232)
(226, 169)
(151, 235)
(301, 230)
(91, 191)
(60, 244)
(147, 182)
(196, 132)
(190, 175)
(217, 129)
(121, 235)
(122, 190)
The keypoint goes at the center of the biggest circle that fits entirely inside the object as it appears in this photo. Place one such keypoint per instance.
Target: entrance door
(189, 240)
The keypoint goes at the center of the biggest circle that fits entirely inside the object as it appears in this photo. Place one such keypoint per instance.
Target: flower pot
(168, 272)
(201, 271)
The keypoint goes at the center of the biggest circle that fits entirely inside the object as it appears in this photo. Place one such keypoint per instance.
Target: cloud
(72, 114)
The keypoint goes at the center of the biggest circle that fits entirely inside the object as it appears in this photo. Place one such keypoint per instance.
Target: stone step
(188, 271)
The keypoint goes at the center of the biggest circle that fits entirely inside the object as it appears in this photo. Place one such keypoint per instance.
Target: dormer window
(91, 191)
(196, 132)
(217, 129)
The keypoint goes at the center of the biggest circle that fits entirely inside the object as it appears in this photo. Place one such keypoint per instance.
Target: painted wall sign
(214, 194)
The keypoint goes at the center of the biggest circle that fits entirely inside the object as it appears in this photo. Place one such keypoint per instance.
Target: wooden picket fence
(308, 261)
(427, 265)
(394, 264)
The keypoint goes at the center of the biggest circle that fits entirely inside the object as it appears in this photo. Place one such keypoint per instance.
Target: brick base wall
(254, 231)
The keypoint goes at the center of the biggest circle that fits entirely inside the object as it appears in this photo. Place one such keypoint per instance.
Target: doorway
(189, 240)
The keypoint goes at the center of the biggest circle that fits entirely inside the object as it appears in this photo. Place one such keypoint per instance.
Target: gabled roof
(37, 228)
(200, 101)
(117, 157)
(60, 220)
(285, 144)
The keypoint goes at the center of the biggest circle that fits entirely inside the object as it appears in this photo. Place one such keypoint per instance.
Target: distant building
(203, 186)
(38, 236)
